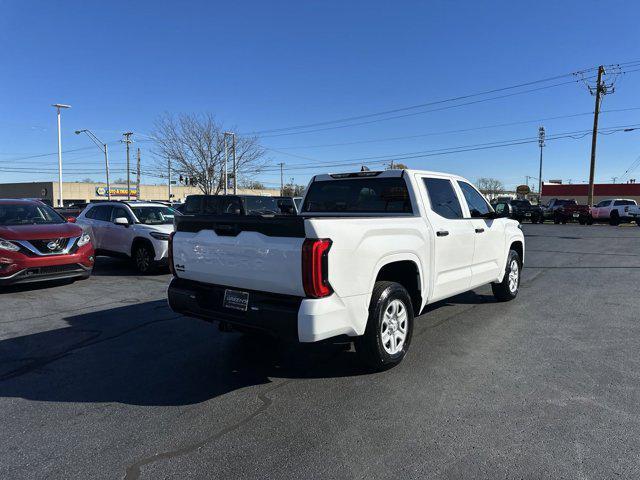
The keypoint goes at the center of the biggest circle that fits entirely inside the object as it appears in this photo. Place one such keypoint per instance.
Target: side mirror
(503, 210)
(71, 219)
(122, 221)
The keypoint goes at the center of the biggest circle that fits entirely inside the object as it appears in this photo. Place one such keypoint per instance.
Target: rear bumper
(272, 313)
(284, 316)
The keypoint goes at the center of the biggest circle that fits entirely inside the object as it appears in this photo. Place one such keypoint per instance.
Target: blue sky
(266, 65)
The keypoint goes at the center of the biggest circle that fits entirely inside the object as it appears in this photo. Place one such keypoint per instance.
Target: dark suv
(522, 210)
(237, 205)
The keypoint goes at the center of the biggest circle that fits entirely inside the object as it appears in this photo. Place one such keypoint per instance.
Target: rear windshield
(566, 202)
(261, 206)
(359, 195)
(520, 203)
(28, 214)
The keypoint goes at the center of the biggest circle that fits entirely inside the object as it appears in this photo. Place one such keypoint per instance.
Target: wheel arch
(137, 241)
(406, 270)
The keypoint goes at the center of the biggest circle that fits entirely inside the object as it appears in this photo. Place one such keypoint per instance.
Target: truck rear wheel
(389, 327)
(614, 219)
(508, 288)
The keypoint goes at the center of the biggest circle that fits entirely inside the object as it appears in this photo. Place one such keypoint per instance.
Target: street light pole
(58, 107)
(103, 147)
(541, 137)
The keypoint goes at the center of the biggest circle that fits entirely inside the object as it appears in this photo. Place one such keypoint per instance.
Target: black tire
(143, 259)
(638, 222)
(614, 219)
(589, 220)
(581, 221)
(542, 219)
(506, 290)
(556, 219)
(373, 351)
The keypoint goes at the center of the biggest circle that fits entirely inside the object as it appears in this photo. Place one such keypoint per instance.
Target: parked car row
(559, 210)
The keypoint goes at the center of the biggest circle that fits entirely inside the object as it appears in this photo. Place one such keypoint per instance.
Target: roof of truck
(381, 174)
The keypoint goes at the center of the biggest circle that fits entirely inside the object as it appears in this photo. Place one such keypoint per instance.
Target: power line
(447, 150)
(412, 107)
(445, 132)
(420, 113)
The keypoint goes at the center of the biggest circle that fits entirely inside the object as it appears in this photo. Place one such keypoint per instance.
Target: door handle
(479, 230)
(442, 233)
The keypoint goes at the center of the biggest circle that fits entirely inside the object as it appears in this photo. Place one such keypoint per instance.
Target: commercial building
(80, 192)
(580, 192)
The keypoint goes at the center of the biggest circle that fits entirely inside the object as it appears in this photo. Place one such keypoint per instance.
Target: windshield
(261, 206)
(566, 202)
(520, 203)
(155, 215)
(28, 214)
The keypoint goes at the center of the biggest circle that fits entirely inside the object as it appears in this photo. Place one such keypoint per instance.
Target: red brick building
(602, 191)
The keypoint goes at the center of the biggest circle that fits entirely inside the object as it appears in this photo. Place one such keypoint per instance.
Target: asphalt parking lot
(99, 379)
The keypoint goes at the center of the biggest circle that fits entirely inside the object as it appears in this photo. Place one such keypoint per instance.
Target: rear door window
(359, 195)
(209, 206)
(443, 198)
(103, 213)
(619, 203)
(192, 205)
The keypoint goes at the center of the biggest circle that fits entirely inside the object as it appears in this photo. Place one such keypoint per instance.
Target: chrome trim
(26, 244)
(81, 269)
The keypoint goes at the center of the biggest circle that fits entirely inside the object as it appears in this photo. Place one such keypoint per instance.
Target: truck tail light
(315, 267)
(170, 254)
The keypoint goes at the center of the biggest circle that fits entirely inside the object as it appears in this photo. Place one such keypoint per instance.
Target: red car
(37, 244)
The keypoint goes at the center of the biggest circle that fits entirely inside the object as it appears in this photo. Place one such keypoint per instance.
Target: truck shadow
(144, 354)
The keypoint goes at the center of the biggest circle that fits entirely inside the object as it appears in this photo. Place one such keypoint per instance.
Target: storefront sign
(116, 192)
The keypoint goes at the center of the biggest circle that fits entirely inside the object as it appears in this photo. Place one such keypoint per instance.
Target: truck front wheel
(507, 289)
(389, 327)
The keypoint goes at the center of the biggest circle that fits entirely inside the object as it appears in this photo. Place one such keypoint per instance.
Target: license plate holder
(236, 300)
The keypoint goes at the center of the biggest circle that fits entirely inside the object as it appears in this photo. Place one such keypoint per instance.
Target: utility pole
(235, 166)
(281, 178)
(138, 176)
(226, 158)
(169, 176)
(127, 140)
(58, 107)
(599, 90)
(541, 137)
(391, 165)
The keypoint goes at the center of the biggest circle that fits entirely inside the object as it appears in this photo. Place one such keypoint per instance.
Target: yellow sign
(116, 192)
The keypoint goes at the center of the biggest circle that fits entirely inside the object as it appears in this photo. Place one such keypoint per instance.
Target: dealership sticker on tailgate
(236, 300)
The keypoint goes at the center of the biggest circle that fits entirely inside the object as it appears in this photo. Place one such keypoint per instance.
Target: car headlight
(7, 245)
(160, 235)
(84, 239)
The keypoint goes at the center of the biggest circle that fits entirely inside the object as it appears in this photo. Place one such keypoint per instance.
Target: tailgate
(252, 253)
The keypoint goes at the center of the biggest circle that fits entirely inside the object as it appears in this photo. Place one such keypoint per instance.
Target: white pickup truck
(615, 211)
(368, 252)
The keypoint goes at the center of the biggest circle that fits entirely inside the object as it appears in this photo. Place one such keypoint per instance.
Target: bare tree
(293, 190)
(490, 186)
(195, 145)
(398, 166)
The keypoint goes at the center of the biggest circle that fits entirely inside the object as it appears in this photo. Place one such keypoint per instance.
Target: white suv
(137, 230)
